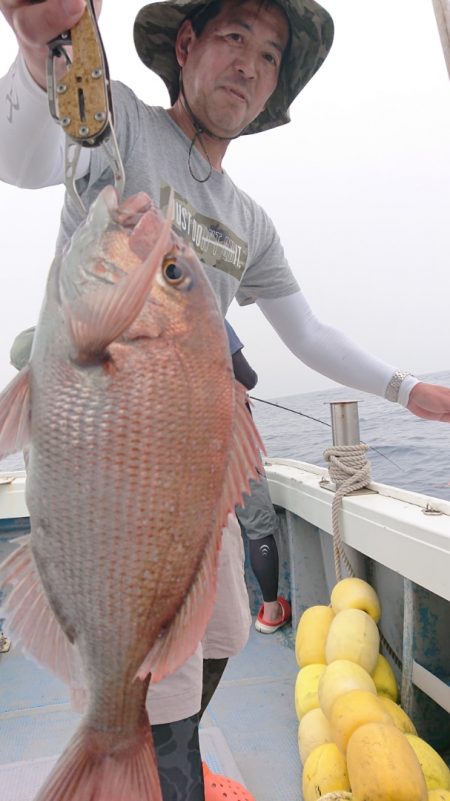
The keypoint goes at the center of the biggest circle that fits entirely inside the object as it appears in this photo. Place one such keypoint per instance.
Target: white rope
(350, 471)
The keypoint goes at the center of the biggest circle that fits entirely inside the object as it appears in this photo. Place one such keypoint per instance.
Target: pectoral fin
(15, 414)
(100, 317)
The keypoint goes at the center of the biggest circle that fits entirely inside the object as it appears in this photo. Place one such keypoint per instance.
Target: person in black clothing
(259, 520)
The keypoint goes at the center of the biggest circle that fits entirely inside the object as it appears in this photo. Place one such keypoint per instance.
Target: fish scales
(133, 457)
(97, 486)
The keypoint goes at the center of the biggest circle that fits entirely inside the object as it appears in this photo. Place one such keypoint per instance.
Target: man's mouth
(236, 92)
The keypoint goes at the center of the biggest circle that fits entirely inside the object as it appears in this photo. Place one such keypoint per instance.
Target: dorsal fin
(187, 628)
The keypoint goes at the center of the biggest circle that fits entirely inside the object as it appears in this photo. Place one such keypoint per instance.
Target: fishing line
(316, 420)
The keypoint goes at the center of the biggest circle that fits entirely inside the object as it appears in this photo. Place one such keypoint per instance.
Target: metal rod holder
(406, 692)
(345, 423)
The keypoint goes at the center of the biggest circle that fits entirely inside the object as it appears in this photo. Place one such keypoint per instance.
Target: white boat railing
(12, 496)
(405, 532)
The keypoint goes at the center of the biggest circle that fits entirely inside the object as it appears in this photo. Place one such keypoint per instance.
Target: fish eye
(175, 274)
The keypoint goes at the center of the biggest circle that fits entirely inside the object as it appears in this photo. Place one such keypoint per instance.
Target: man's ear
(185, 37)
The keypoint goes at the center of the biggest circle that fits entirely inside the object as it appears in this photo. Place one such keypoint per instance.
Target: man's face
(231, 70)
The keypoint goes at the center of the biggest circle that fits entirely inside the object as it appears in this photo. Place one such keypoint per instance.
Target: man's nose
(245, 63)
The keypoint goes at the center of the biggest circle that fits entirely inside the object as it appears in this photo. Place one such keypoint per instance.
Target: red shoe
(266, 627)
(219, 787)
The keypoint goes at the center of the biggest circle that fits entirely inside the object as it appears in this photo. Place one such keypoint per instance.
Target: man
(230, 67)
(259, 520)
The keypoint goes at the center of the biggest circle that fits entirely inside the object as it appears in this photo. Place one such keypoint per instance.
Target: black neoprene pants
(264, 562)
(177, 745)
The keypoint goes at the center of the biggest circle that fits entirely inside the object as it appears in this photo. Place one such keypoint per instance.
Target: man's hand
(36, 22)
(430, 401)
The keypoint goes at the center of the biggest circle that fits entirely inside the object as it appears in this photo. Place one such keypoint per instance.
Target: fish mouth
(129, 213)
(110, 198)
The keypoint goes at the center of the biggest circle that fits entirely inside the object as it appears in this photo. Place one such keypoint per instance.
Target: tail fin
(96, 767)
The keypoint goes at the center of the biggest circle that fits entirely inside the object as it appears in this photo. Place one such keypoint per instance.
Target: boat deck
(249, 731)
(254, 709)
(398, 540)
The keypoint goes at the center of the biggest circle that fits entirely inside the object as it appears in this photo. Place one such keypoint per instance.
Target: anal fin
(179, 641)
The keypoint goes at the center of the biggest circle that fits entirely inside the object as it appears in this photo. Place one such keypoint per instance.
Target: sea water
(411, 452)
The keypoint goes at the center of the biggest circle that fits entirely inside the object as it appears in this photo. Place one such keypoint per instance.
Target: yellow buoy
(340, 677)
(384, 679)
(398, 715)
(353, 635)
(312, 632)
(352, 710)
(436, 772)
(354, 593)
(325, 770)
(313, 730)
(306, 687)
(382, 766)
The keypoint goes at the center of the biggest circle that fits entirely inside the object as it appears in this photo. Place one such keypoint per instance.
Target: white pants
(179, 696)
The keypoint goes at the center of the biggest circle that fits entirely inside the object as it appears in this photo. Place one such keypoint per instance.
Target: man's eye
(235, 37)
(271, 59)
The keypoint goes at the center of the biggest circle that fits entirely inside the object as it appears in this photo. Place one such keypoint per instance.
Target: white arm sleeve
(32, 143)
(327, 350)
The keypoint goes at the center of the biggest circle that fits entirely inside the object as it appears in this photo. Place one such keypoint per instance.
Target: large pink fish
(140, 444)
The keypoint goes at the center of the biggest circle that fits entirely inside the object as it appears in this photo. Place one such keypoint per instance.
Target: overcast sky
(358, 185)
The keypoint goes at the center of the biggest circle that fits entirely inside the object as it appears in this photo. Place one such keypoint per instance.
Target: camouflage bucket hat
(311, 27)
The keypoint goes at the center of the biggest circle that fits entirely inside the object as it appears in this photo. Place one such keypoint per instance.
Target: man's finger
(36, 23)
(443, 417)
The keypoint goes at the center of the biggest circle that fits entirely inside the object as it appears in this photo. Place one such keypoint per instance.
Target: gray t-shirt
(234, 238)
